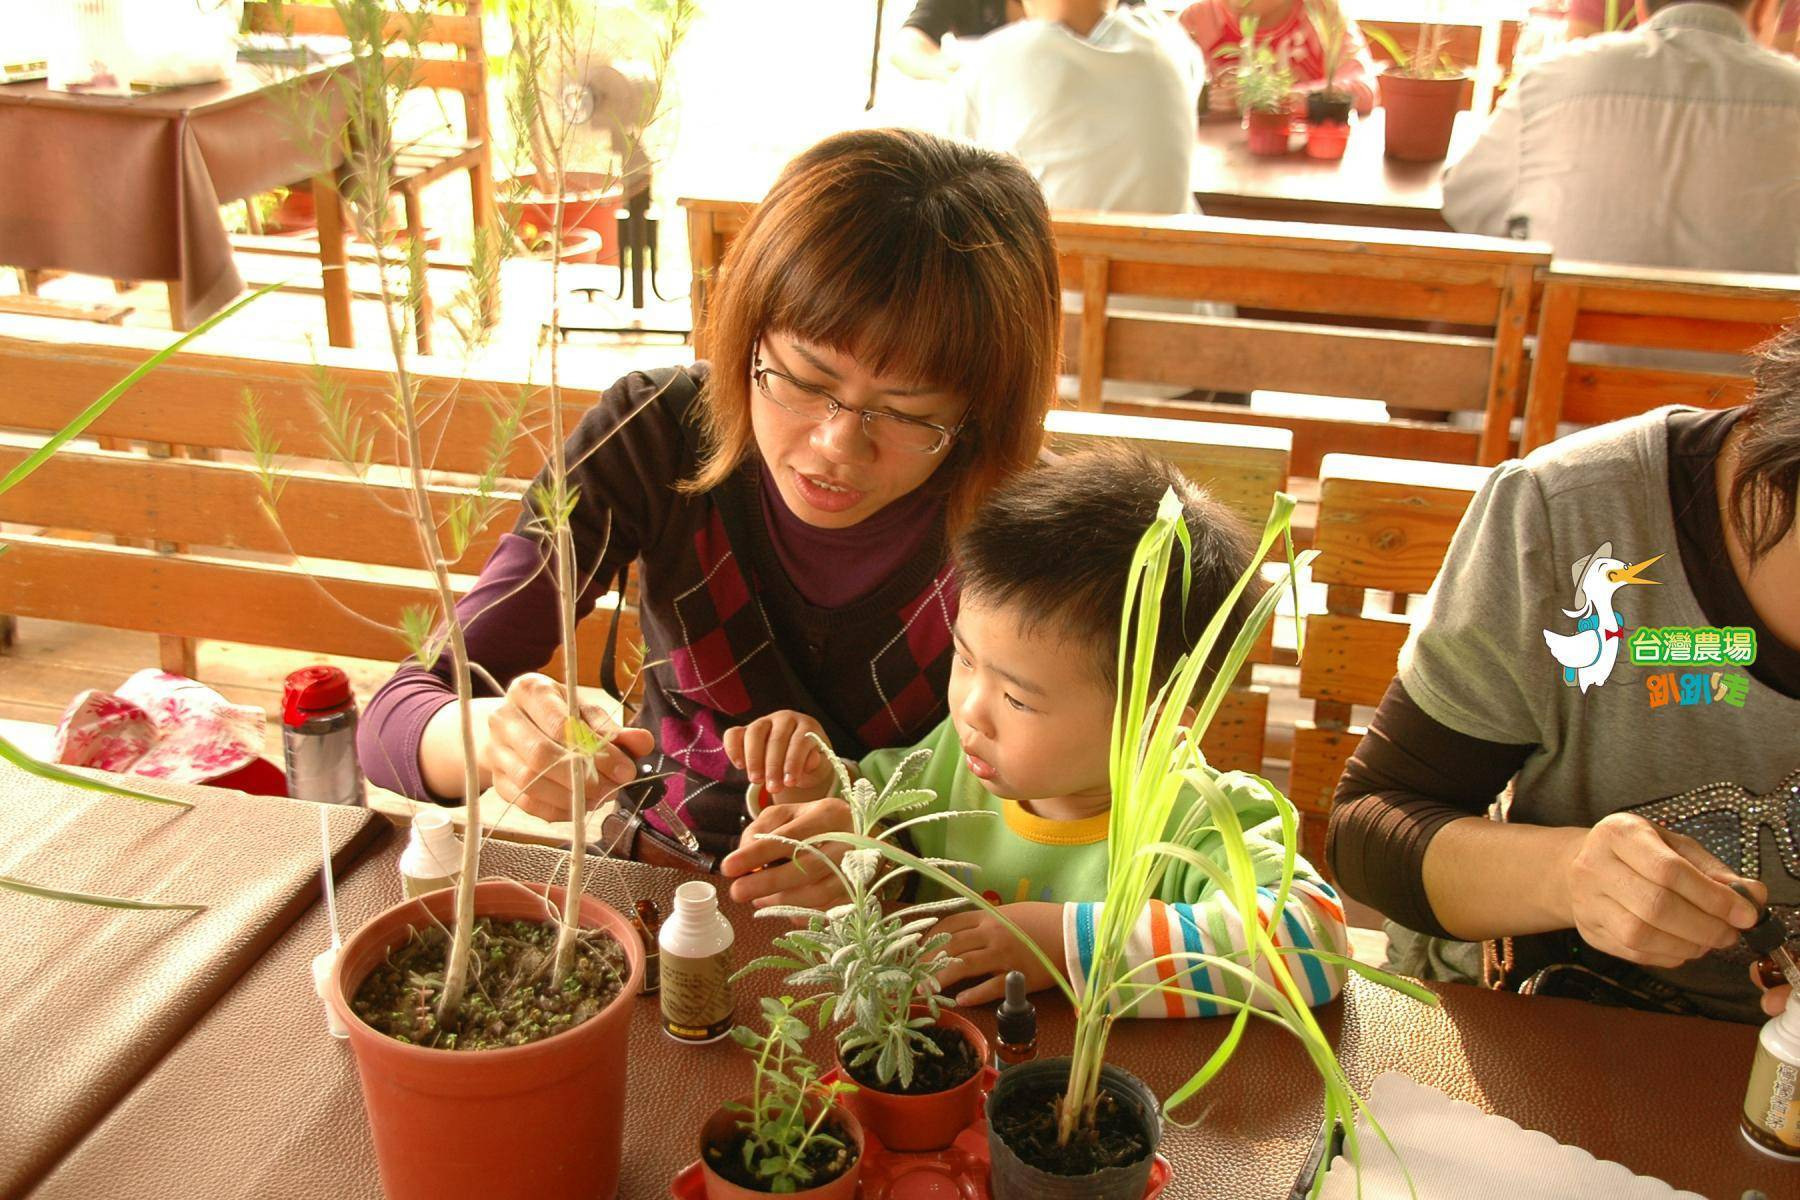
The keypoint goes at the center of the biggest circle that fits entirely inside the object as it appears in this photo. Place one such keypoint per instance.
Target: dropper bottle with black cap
(1015, 1024)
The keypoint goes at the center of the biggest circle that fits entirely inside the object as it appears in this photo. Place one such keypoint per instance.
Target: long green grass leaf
(92, 898)
(50, 771)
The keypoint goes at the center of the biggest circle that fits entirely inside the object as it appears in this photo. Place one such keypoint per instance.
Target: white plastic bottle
(433, 855)
(1771, 1118)
(695, 945)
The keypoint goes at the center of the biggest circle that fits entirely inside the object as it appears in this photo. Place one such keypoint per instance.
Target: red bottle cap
(314, 690)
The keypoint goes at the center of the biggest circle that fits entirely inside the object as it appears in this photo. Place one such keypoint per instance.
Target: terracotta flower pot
(578, 246)
(1420, 115)
(591, 202)
(924, 1122)
(530, 1122)
(1327, 139)
(1011, 1178)
(719, 1128)
(1267, 133)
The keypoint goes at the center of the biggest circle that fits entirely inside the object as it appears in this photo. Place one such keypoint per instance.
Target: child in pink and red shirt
(1287, 26)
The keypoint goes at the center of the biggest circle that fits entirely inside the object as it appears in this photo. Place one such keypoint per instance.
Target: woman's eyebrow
(822, 367)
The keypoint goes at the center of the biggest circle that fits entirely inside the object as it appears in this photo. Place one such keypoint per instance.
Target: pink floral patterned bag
(163, 726)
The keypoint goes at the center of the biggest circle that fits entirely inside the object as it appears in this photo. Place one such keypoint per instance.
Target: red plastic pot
(528, 1122)
(591, 201)
(1327, 139)
(1267, 133)
(719, 1128)
(1420, 115)
(925, 1122)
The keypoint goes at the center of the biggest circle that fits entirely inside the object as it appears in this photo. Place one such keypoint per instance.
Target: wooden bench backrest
(1393, 283)
(1243, 466)
(233, 575)
(1644, 308)
(1384, 525)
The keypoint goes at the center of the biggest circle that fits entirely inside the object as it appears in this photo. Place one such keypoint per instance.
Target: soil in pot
(1326, 108)
(826, 1162)
(931, 1072)
(1028, 1126)
(509, 1001)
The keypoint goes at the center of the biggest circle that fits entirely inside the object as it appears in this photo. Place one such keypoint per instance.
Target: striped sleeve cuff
(1312, 919)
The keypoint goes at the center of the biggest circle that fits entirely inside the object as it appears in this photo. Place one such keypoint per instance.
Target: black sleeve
(935, 18)
(1409, 778)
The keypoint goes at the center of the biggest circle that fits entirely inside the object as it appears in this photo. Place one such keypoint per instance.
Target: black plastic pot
(1012, 1178)
(1327, 108)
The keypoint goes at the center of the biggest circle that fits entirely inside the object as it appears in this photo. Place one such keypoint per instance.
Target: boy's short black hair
(1056, 543)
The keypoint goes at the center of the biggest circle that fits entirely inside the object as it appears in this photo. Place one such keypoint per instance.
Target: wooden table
(129, 187)
(256, 1100)
(1363, 188)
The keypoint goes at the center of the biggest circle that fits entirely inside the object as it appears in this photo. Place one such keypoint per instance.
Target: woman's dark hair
(922, 258)
(1055, 545)
(1761, 506)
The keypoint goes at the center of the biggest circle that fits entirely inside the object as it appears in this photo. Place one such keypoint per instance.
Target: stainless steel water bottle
(318, 737)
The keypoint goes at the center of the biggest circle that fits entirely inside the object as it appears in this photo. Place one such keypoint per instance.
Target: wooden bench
(1384, 526)
(224, 571)
(1392, 284)
(1658, 309)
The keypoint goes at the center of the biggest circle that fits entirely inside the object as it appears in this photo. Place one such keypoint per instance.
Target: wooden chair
(1243, 466)
(1384, 526)
(1657, 309)
(229, 574)
(1381, 289)
(452, 58)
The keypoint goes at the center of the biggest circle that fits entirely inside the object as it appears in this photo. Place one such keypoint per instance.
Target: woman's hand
(527, 757)
(988, 948)
(763, 872)
(776, 753)
(1653, 897)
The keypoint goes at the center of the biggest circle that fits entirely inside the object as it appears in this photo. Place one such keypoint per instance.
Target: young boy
(1042, 571)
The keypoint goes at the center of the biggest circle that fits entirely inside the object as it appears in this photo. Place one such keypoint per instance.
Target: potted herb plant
(494, 1005)
(793, 1133)
(1265, 92)
(1076, 1126)
(918, 1067)
(1328, 107)
(1422, 92)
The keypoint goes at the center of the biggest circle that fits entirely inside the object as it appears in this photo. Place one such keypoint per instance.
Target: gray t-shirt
(1703, 748)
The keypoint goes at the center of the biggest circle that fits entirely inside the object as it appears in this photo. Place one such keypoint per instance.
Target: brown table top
(244, 82)
(1365, 187)
(258, 1101)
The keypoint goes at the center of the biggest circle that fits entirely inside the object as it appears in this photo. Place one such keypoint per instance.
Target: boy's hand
(988, 948)
(776, 753)
(804, 881)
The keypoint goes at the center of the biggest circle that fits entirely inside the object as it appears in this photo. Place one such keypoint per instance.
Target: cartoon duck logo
(1588, 654)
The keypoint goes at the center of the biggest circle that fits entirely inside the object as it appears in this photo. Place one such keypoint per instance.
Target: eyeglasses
(886, 429)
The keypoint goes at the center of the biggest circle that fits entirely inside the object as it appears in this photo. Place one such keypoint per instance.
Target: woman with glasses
(1647, 737)
(885, 337)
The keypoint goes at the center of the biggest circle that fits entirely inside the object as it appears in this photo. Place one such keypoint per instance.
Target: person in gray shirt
(1640, 743)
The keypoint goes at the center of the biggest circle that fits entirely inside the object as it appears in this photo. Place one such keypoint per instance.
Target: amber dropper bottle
(1016, 1023)
(647, 923)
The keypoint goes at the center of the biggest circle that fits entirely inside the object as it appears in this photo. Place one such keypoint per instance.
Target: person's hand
(762, 870)
(987, 948)
(1774, 999)
(777, 754)
(527, 756)
(1653, 897)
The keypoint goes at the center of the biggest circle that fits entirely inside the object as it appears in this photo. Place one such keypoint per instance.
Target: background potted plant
(1422, 92)
(1075, 1126)
(1328, 107)
(918, 1066)
(793, 1134)
(1265, 92)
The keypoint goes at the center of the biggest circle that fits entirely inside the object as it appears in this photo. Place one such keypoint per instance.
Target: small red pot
(523, 1123)
(721, 1124)
(591, 201)
(1326, 139)
(1420, 114)
(1267, 133)
(927, 1122)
